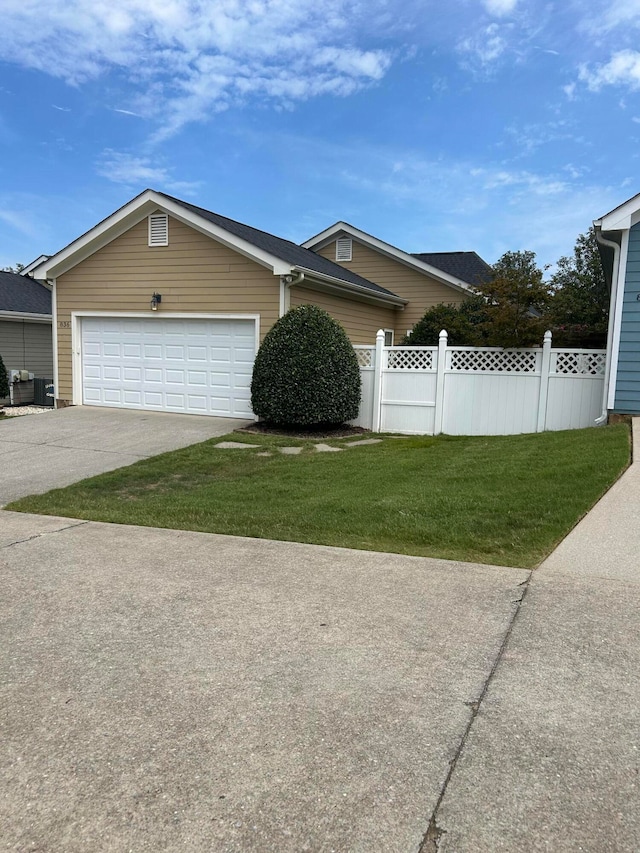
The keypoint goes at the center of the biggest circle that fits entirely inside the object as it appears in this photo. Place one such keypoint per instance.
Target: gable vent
(158, 229)
(343, 249)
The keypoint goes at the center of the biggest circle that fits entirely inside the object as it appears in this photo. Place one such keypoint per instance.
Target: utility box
(42, 392)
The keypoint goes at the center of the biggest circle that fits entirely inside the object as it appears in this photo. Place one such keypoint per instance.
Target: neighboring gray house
(25, 330)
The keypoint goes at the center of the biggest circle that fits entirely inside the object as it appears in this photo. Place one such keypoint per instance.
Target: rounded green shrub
(306, 371)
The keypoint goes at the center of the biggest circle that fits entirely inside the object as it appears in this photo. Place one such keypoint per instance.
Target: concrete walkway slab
(40, 453)
(606, 543)
(168, 690)
(552, 760)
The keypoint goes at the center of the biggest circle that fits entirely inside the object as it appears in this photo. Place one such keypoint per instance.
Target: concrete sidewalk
(552, 760)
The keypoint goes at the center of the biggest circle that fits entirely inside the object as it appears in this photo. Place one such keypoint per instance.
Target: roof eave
(25, 315)
(376, 296)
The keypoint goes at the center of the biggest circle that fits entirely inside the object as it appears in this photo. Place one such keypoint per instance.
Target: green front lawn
(504, 500)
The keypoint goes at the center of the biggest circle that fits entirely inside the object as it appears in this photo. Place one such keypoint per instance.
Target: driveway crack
(433, 836)
(44, 533)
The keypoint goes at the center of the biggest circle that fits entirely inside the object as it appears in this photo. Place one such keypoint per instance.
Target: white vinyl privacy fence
(478, 390)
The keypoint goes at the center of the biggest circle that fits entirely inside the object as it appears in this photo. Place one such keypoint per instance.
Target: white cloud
(623, 69)
(188, 59)
(132, 171)
(485, 46)
(613, 14)
(500, 7)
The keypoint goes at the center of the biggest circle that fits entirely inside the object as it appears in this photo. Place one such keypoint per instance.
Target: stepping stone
(290, 451)
(234, 445)
(362, 441)
(264, 453)
(326, 448)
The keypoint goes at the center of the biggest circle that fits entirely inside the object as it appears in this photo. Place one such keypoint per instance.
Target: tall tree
(18, 268)
(516, 297)
(579, 308)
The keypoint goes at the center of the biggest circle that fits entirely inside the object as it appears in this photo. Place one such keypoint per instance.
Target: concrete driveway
(168, 690)
(54, 449)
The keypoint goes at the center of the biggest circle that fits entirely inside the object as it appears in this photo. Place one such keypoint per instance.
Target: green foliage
(17, 269)
(579, 307)
(516, 299)
(4, 380)
(306, 371)
(464, 324)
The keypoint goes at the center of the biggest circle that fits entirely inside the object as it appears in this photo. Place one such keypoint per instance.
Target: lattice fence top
(580, 363)
(494, 361)
(365, 356)
(410, 359)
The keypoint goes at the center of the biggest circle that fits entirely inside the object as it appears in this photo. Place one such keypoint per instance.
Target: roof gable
(409, 260)
(622, 217)
(22, 295)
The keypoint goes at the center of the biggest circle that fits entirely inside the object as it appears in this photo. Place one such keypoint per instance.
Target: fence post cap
(443, 334)
(380, 334)
(548, 335)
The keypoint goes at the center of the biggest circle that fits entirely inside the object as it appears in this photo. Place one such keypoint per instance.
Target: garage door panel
(197, 366)
(197, 353)
(174, 377)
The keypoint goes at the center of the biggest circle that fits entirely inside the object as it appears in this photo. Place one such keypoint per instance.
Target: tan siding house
(421, 289)
(162, 306)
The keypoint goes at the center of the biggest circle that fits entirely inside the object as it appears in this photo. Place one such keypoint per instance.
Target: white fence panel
(366, 359)
(576, 386)
(478, 390)
(573, 402)
(481, 404)
(408, 402)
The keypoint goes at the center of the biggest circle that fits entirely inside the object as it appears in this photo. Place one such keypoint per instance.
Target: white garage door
(200, 367)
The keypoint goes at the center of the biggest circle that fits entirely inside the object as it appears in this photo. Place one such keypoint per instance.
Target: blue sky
(490, 125)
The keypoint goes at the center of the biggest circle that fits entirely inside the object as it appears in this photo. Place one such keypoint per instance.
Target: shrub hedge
(306, 371)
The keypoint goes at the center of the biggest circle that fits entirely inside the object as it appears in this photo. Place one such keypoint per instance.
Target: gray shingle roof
(23, 294)
(467, 266)
(284, 249)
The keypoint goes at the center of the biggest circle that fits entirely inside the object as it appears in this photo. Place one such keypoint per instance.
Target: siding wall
(360, 320)
(26, 346)
(193, 273)
(421, 290)
(627, 398)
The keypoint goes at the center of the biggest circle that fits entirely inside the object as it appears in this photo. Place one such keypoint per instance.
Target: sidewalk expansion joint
(433, 836)
(44, 533)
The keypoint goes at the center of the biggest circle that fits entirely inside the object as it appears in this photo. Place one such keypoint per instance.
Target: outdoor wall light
(156, 299)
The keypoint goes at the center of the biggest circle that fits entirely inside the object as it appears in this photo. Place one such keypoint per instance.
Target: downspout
(286, 283)
(612, 313)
